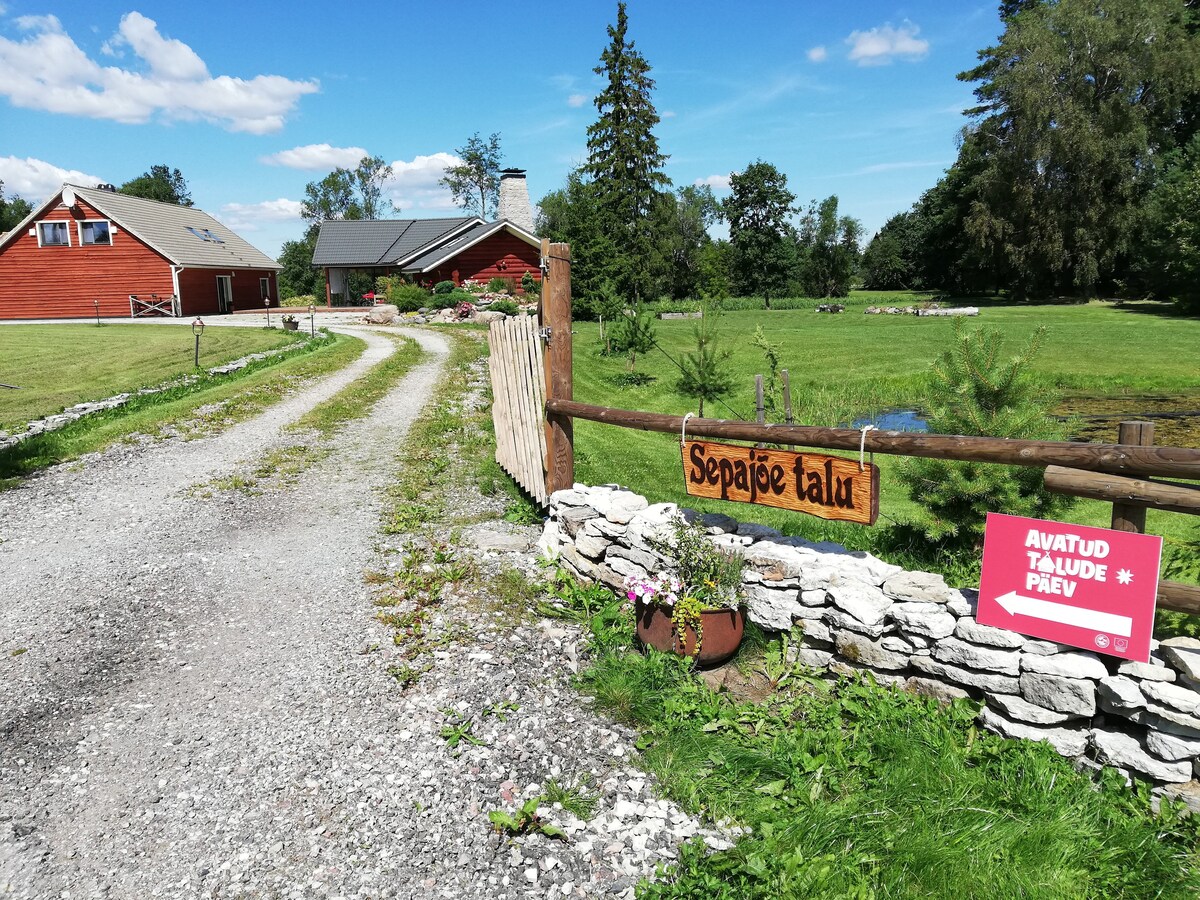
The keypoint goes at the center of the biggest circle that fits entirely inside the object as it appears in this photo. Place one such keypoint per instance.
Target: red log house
(91, 249)
(425, 250)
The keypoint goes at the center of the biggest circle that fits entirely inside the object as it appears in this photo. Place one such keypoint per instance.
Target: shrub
(529, 284)
(409, 297)
(301, 300)
(443, 287)
(505, 306)
(453, 298)
(973, 391)
(498, 285)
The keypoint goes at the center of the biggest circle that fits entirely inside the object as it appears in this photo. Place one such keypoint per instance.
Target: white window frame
(53, 222)
(83, 243)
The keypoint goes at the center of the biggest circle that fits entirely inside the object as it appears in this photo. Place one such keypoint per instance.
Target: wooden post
(554, 313)
(1126, 517)
(787, 398)
(760, 410)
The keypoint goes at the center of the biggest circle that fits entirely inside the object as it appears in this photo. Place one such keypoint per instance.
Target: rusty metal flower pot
(722, 633)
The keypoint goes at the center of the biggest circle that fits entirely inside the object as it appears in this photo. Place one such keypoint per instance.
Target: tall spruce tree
(624, 161)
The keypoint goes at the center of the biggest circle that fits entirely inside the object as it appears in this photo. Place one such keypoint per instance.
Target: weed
(525, 821)
(18, 651)
(501, 710)
(458, 729)
(407, 675)
(573, 799)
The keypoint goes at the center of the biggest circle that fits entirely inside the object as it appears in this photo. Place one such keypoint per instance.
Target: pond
(893, 420)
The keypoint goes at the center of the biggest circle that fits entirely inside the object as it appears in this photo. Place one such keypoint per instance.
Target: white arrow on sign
(1017, 605)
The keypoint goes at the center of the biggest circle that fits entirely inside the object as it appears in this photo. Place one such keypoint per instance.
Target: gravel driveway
(188, 710)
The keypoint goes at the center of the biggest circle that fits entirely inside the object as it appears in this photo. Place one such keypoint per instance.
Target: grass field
(849, 365)
(57, 366)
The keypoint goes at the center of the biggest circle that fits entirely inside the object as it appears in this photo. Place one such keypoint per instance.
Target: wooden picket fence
(519, 397)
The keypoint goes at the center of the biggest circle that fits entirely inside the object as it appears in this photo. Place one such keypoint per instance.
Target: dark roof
(383, 242)
(439, 253)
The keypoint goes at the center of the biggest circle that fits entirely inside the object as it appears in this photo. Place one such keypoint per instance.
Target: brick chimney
(514, 199)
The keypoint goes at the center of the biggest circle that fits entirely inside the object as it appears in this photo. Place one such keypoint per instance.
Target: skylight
(204, 234)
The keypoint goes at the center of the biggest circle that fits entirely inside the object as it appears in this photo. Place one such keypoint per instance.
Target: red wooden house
(91, 248)
(426, 250)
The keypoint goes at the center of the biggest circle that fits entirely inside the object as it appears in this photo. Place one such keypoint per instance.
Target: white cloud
(716, 182)
(314, 157)
(48, 71)
(249, 216)
(35, 179)
(414, 185)
(668, 114)
(818, 54)
(577, 100)
(879, 46)
(897, 166)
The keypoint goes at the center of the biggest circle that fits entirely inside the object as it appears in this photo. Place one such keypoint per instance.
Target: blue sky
(251, 101)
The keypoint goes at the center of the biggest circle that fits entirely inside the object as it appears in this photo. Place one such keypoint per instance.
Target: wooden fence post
(554, 313)
(1126, 517)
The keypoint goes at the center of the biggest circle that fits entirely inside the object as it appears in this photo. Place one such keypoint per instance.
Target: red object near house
(132, 256)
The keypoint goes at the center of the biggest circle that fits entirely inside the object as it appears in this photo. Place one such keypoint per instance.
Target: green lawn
(57, 366)
(850, 364)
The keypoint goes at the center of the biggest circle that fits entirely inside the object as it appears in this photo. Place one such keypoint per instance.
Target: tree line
(1079, 172)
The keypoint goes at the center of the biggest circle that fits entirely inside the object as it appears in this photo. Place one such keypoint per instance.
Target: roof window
(204, 234)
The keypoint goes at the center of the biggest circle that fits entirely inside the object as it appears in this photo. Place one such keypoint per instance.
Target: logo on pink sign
(1087, 587)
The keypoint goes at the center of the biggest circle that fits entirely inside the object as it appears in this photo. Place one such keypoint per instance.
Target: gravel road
(190, 710)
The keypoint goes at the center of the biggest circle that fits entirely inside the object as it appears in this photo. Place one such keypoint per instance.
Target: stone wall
(910, 629)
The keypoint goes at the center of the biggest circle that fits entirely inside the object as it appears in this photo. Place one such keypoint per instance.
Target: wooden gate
(518, 402)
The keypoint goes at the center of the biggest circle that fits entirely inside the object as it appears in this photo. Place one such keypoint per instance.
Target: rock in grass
(1067, 741)
(1126, 751)
(1016, 707)
(1069, 695)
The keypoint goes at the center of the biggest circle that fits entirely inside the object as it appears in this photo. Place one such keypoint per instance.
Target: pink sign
(1088, 587)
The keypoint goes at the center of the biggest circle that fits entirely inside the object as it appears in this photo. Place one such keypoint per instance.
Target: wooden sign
(831, 487)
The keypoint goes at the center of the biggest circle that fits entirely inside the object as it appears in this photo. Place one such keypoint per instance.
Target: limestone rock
(1041, 648)
(925, 619)
(963, 603)
(974, 656)
(774, 560)
(970, 630)
(1146, 671)
(571, 518)
(1126, 751)
(548, 545)
(897, 644)
(814, 598)
(770, 608)
(624, 567)
(1188, 794)
(1171, 747)
(382, 314)
(1184, 654)
(1120, 694)
(986, 681)
(814, 659)
(582, 565)
(839, 620)
(1068, 695)
(1068, 665)
(1168, 721)
(644, 559)
(816, 631)
(1172, 695)
(487, 316)
(866, 652)
(617, 504)
(921, 587)
(654, 523)
(1016, 707)
(846, 667)
(867, 604)
(716, 523)
(1066, 741)
(590, 546)
(928, 687)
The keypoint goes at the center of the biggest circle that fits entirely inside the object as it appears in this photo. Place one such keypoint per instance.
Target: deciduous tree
(13, 210)
(160, 183)
(475, 181)
(759, 210)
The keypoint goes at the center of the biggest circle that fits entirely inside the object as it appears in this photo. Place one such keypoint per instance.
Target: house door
(224, 293)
